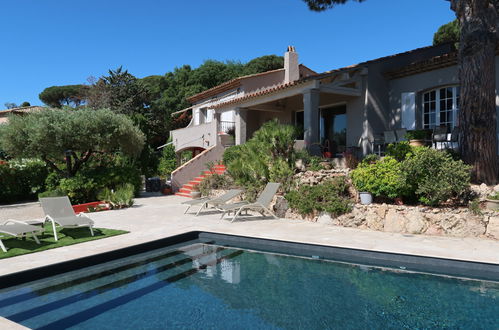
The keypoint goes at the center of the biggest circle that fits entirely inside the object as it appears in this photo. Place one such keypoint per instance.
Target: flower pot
(416, 143)
(398, 201)
(166, 191)
(492, 204)
(366, 198)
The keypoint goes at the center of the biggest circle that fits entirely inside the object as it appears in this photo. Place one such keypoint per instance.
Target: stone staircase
(186, 189)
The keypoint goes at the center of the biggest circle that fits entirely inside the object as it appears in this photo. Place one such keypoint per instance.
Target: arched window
(441, 107)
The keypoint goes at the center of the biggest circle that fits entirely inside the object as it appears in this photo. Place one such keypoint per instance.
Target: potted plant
(492, 202)
(417, 138)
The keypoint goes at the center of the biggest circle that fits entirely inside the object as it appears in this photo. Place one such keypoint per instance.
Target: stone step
(183, 195)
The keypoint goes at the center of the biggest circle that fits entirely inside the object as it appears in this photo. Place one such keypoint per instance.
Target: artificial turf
(67, 236)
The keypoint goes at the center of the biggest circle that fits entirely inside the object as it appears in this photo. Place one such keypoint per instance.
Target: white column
(311, 100)
(240, 125)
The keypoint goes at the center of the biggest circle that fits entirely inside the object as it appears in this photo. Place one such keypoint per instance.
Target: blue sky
(60, 42)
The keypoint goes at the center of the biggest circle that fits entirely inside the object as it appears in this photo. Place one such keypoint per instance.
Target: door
(333, 129)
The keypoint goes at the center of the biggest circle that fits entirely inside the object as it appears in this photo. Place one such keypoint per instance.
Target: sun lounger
(58, 210)
(18, 229)
(261, 205)
(213, 202)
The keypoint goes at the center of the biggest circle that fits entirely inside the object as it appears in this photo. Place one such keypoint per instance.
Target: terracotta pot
(327, 154)
(417, 143)
(166, 191)
(398, 201)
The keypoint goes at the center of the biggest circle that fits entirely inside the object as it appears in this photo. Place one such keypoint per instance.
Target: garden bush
(106, 171)
(331, 196)
(168, 161)
(399, 150)
(120, 198)
(21, 180)
(268, 156)
(433, 176)
(383, 178)
(215, 181)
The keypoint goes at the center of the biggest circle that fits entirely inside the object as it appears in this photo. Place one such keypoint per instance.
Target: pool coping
(397, 261)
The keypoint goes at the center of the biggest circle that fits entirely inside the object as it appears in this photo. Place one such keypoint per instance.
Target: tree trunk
(477, 115)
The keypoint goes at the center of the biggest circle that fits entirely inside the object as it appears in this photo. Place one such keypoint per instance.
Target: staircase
(186, 189)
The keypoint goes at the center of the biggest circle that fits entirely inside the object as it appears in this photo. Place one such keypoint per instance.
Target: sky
(62, 42)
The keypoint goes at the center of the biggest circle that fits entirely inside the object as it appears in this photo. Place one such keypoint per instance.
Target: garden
(415, 189)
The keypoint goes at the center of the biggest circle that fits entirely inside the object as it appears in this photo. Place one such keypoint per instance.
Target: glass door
(333, 130)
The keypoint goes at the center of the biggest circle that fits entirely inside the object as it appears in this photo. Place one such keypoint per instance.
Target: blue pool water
(204, 286)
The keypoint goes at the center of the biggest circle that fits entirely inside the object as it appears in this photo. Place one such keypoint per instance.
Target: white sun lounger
(213, 202)
(18, 229)
(58, 210)
(261, 205)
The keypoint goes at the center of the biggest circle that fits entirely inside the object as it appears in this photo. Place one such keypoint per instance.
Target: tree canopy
(58, 96)
(66, 136)
(449, 32)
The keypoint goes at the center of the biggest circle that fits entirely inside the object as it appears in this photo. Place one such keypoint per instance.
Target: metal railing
(226, 126)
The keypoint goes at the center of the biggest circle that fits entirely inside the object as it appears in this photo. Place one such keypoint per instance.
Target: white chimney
(291, 69)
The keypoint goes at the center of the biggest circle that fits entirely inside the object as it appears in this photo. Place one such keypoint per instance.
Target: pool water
(205, 286)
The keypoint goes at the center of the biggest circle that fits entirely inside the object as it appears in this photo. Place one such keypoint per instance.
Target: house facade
(340, 109)
(4, 114)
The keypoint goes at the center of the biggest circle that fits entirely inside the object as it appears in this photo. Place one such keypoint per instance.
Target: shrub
(215, 181)
(21, 180)
(168, 161)
(314, 163)
(231, 154)
(400, 150)
(268, 156)
(104, 172)
(418, 134)
(331, 196)
(121, 198)
(383, 178)
(434, 177)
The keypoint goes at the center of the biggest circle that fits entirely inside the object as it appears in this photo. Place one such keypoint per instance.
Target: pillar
(311, 100)
(241, 115)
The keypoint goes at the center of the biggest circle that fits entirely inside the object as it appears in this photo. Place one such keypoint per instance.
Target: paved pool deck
(153, 218)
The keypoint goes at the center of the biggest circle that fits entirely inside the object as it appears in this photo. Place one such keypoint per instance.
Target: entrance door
(333, 129)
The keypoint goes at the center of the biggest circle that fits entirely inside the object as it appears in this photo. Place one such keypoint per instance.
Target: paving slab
(163, 216)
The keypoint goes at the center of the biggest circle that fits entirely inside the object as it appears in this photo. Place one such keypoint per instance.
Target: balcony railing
(226, 127)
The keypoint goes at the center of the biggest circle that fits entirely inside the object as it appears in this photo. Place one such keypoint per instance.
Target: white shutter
(409, 110)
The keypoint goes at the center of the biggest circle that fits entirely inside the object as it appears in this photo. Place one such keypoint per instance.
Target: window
(441, 107)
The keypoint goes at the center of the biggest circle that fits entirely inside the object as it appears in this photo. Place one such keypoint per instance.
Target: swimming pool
(210, 282)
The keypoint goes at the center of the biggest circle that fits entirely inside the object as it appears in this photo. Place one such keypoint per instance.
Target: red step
(186, 189)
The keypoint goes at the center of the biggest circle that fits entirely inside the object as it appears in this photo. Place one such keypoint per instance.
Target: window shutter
(409, 110)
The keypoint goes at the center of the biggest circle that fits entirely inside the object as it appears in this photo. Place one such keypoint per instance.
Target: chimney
(291, 69)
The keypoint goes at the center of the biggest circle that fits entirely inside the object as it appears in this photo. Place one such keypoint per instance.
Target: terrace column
(311, 100)
(241, 115)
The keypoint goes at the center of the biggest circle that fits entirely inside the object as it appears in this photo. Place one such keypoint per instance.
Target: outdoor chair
(213, 202)
(18, 229)
(439, 135)
(401, 132)
(378, 141)
(261, 205)
(454, 138)
(58, 211)
(389, 137)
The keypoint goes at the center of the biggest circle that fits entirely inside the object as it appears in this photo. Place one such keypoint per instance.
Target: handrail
(192, 160)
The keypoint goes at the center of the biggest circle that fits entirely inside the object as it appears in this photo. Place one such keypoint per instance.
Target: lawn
(67, 236)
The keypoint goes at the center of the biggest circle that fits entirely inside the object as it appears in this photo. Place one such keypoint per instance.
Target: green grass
(67, 236)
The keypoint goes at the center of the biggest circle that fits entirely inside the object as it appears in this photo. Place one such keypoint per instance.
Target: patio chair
(454, 138)
(213, 202)
(401, 132)
(439, 135)
(389, 137)
(261, 205)
(18, 229)
(58, 210)
(378, 141)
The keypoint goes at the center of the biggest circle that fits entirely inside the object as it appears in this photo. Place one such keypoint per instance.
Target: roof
(21, 109)
(323, 75)
(436, 62)
(231, 84)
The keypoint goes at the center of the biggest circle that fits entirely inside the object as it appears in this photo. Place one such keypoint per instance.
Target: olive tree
(66, 139)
